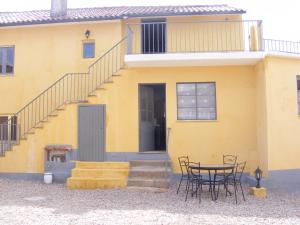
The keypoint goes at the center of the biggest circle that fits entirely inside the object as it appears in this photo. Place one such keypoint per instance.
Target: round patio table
(212, 181)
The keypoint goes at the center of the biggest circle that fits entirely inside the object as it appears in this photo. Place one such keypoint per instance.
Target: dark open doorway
(153, 36)
(152, 117)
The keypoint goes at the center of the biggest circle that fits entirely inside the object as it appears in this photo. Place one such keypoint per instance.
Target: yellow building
(128, 83)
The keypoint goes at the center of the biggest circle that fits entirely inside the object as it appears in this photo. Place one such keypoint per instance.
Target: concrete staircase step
(93, 175)
(148, 172)
(95, 183)
(100, 173)
(102, 165)
(152, 163)
(141, 182)
(148, 189)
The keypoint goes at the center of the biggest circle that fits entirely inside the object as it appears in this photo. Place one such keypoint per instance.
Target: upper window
(88, 49)
(7, 60)
(298, 93)
(196, 101)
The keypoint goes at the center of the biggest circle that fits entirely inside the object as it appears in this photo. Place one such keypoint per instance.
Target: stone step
(95, 183)
(140, 182)
(152, 163)
(102, 165)
(100, 173)
(147, 189)
(148, 172)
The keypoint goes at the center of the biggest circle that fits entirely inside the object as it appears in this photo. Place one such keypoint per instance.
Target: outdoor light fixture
(258, 176)
(87, 34)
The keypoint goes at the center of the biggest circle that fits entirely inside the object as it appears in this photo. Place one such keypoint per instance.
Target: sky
(280, 18)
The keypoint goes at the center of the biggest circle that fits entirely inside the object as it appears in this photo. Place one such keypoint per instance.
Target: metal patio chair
(194, 181)
(183, 162)
(228, 160)
(235, 180)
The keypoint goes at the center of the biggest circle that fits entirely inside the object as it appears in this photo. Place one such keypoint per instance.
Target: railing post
(129, 40)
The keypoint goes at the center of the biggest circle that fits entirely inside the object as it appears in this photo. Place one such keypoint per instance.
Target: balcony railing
(272, 45)
(192, 37)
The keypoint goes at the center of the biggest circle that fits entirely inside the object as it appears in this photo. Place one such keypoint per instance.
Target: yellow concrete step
(95, 183)
(100, 173)
(102, 165)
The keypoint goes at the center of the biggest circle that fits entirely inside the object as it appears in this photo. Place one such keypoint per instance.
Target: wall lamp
(87, 34)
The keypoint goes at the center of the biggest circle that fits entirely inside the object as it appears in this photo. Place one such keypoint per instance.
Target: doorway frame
(139, 118)
(153, 20)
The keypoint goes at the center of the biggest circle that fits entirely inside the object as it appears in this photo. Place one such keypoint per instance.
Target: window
(88, 49)
(298, 93)
(7, 60)
(8, 128)
(196, 101)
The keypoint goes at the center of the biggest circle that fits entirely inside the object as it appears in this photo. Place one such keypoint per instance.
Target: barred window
(298, 93)
(196, 101)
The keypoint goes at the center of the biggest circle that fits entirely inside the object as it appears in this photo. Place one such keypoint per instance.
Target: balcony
(194, 43)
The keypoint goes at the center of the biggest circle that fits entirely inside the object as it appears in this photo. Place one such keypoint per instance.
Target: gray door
(91, 132)
(147, 122)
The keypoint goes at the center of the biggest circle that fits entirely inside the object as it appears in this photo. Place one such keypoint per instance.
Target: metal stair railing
(71, 88)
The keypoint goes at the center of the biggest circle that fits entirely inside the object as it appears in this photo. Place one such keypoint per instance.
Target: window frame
(83, 49)
(11, 132)
(195, 83)
(4, 61)
(298, 93)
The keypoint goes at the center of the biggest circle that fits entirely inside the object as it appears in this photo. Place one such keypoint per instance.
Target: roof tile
(110, 13)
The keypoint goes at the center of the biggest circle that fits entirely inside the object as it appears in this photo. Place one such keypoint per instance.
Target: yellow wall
(28, 156)
(43, 54)
(233, 133)
(256, 105)
(283, 120)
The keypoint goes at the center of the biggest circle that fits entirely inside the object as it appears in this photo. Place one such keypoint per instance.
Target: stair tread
(100, 169)
(147, 179)
(147, 189)
(149, 161)
(94, 179)
(148, 168)
(102, 165)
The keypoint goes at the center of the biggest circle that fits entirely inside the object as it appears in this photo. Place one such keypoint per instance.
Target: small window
(3, 128)
(88, 49)
(8, 128)
(298, 93)
(7, 55)
(196, 101)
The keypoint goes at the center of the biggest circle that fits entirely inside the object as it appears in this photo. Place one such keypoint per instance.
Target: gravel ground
(25, 202)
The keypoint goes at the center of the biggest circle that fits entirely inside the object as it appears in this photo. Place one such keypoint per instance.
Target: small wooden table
(215, 168)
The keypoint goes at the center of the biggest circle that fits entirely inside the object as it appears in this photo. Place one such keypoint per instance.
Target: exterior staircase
(149, 175)
(94, 175)
(69, 89)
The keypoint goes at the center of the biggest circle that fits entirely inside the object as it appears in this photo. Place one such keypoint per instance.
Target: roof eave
(56, 21)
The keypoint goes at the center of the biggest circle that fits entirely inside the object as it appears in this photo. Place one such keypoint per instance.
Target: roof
(111, 13)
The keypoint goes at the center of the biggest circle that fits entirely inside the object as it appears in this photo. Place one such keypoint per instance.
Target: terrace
(162, 43)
